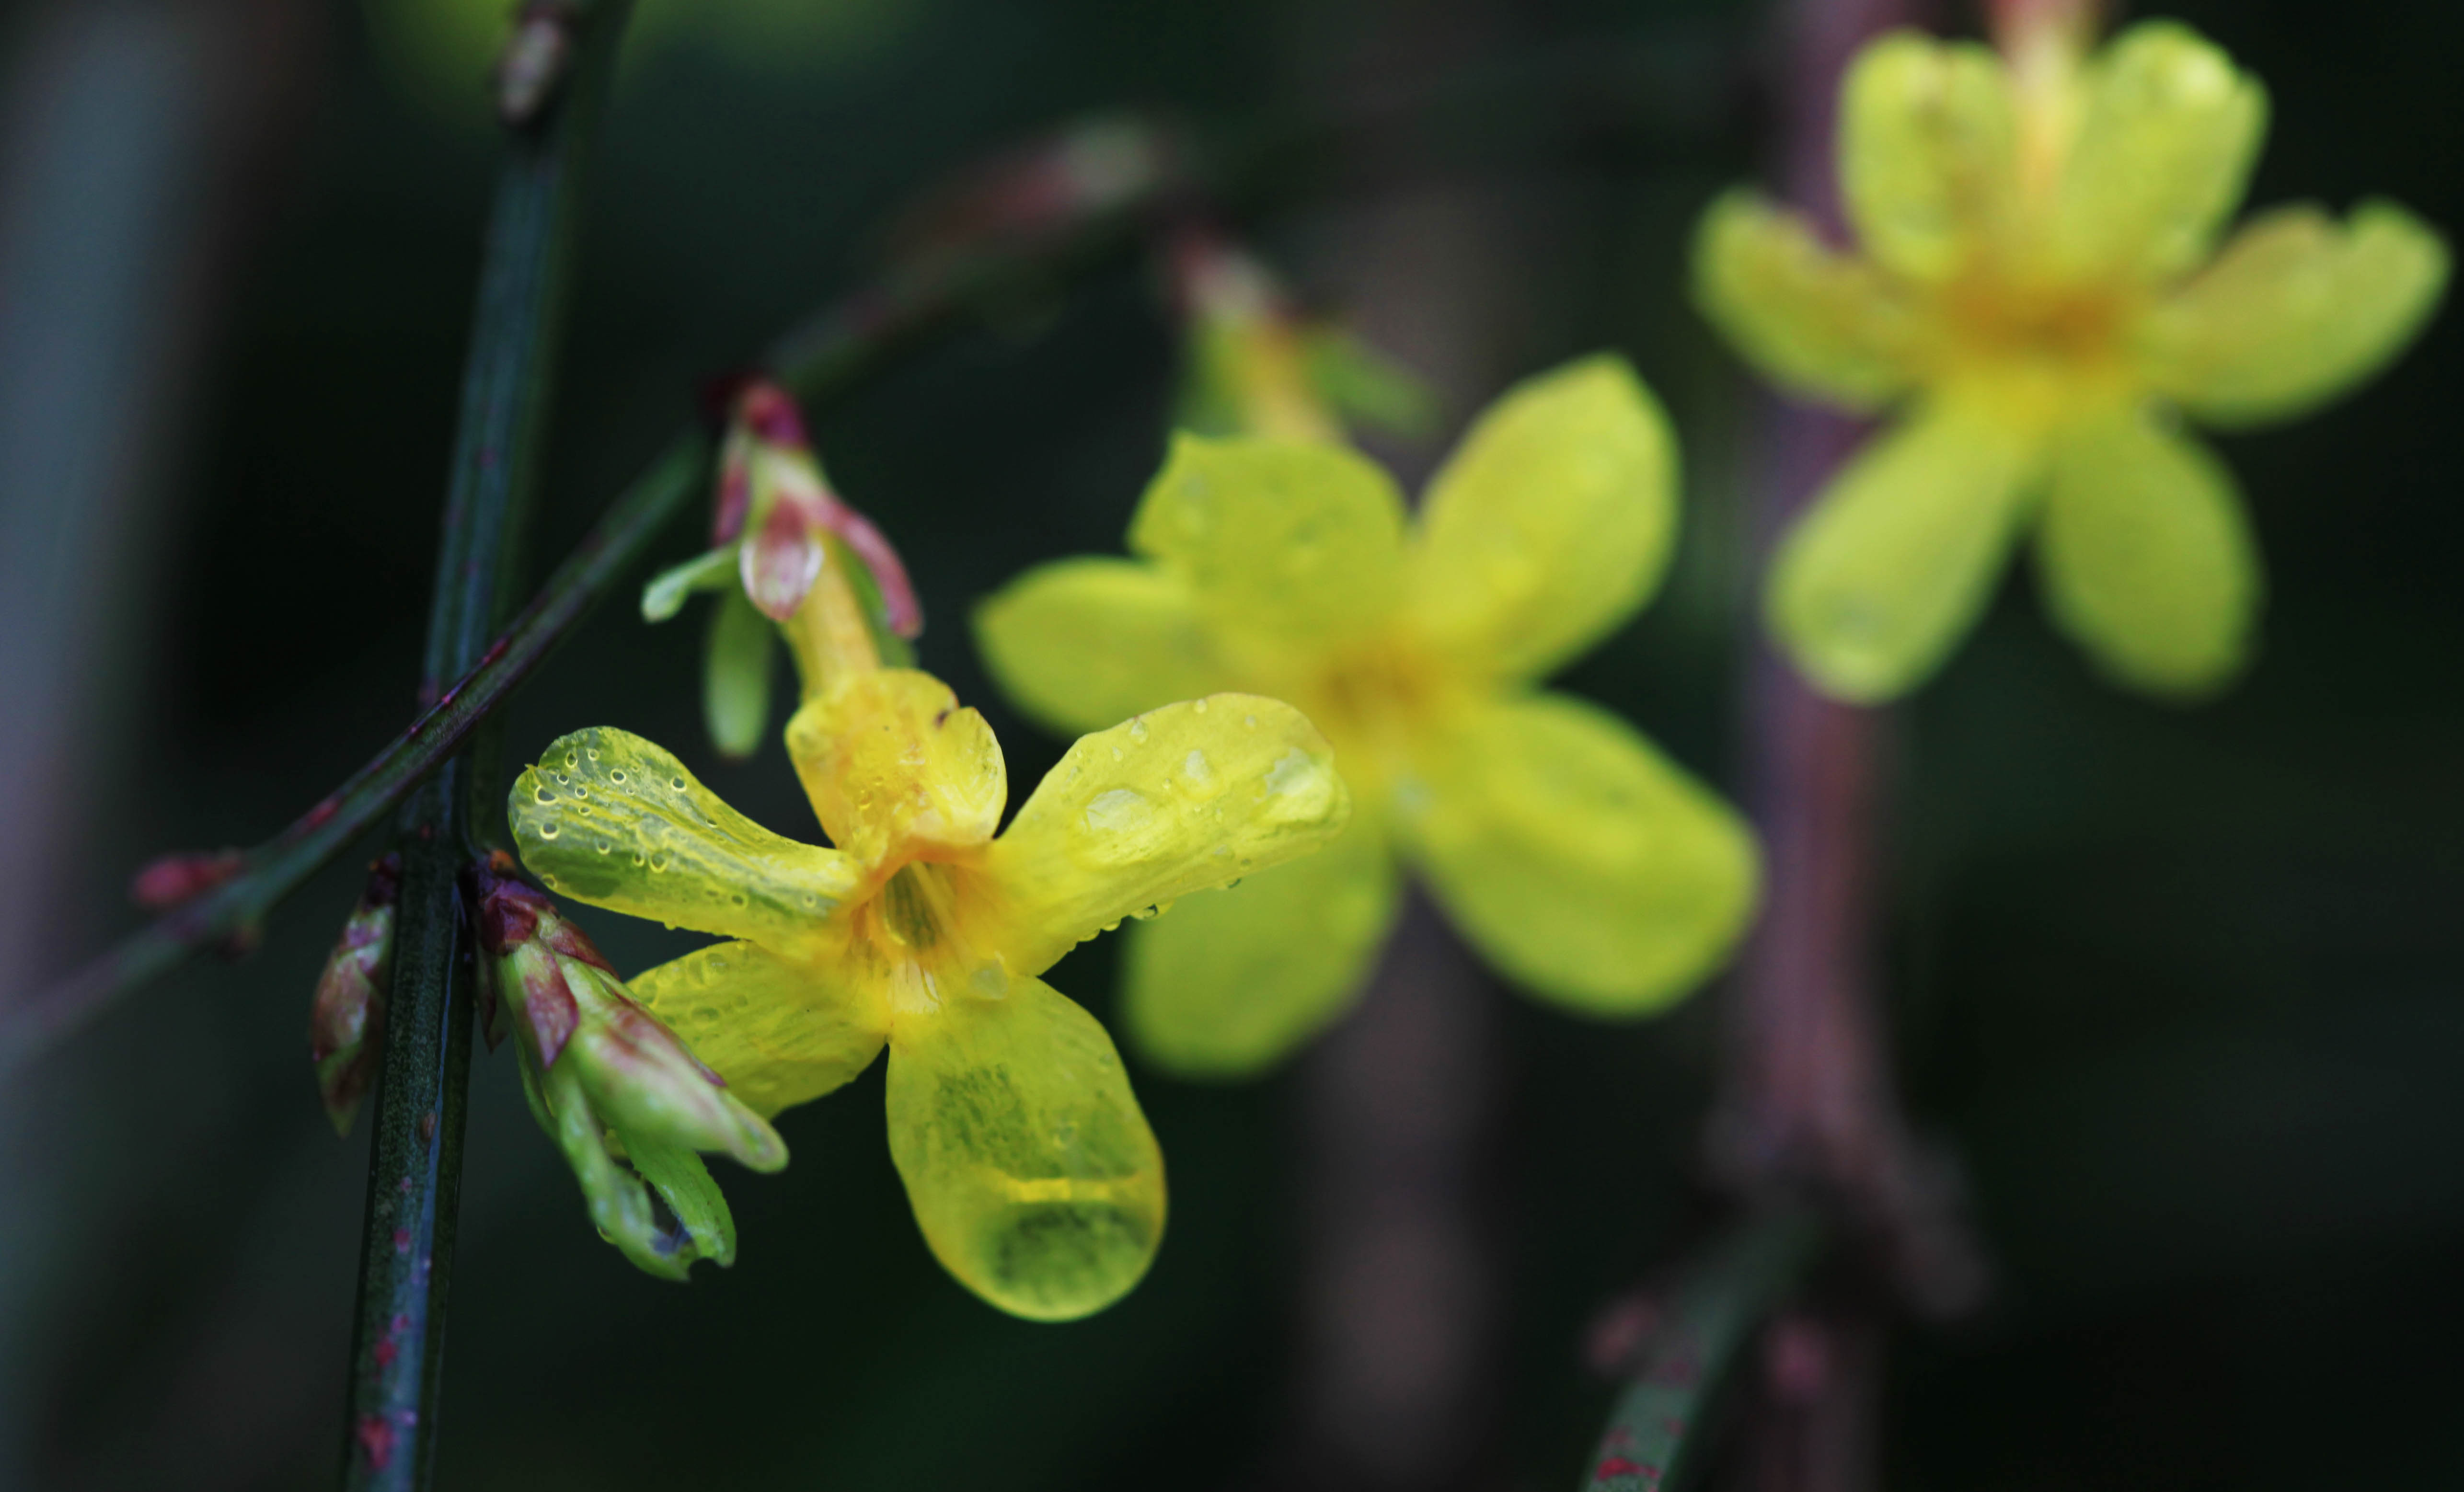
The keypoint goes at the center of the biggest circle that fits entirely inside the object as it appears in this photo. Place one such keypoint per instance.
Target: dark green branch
(1654, 1437)
(415, 1162)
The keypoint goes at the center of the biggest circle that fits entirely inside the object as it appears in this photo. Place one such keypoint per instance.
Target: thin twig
(1655, 1434)
(415, 1161)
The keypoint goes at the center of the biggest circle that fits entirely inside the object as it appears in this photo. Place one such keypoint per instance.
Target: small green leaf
(664, 595)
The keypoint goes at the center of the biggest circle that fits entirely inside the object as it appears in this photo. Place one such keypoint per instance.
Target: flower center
(914, 934)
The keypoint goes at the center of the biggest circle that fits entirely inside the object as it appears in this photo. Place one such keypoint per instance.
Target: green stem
(1656, 1436)
(415, 1163)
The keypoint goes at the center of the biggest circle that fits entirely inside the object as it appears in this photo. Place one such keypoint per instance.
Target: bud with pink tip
(622, 1095)
(347, 1021)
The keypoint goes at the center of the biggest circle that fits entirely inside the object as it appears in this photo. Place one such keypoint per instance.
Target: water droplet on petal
(1198, 705)
(602, 845)
(1139, 729)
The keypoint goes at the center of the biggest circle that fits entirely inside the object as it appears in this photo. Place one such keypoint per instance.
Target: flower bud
(347, 1021)
(619, 1092)
(1254, 365)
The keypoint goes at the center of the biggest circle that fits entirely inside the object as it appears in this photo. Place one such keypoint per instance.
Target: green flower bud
(621, 1095)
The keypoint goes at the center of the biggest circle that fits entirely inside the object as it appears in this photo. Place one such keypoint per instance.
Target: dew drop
(544, 796)
(738, 899)
(1139, 729)
(640, 858)
(1198, 705)
(548, 829)
(593, 752)
(1251, 721)
(602, 845)
(573, 759)
(676, 783)
(1196, 767)
(1119, 812)
(616, 774)
(659, 862)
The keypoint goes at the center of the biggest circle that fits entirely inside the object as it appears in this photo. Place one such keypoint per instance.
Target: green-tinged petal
(1032, 1172)
(1290, 543)
(1578, 859)
(609, 819)
(2146, 555)
(890, 761)
(1812, 320)
(713, 570)
(2297, 310)
(1550, 524)
(781, 1032)
(2168, 133)
(693, 1198)
(1234, 980)
(1083, 644)
(1927, 152)
(1878, 582)
(735, 676)
(1179, 800)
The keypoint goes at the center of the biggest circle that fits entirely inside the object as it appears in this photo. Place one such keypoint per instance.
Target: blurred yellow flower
(1032, 1172)
(2039, 296)
(1574, 855)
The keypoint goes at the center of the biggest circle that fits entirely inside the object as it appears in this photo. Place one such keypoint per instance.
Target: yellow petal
(1812, 320)
(1083, 644)
(609, 819)
(1550, 524)
(2147, 557)
(892, 762)
(1032, 1172)
(2297, 310)
(1927, 152)
(780, 1031)
(1234, 980)
(1881, 580)
(1179, 800)
(1290, 544)
(1578, 859)
(2166, 137)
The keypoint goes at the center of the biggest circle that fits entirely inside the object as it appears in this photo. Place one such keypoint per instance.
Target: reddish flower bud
(347, 1021)
(166, 881)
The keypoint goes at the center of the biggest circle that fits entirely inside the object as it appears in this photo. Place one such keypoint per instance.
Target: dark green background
(2181, 987)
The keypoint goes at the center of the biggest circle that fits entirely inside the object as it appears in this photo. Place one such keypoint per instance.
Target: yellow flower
(1032, 1172)
(2038, 298)
(1572, 854)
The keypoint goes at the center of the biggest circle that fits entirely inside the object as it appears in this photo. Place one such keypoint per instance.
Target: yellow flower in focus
(1032, 1172)
(1568, 850)
(2038, 296)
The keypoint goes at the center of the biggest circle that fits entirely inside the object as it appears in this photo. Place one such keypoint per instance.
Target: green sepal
(685, 1185)
(664, 595)
(735, 676)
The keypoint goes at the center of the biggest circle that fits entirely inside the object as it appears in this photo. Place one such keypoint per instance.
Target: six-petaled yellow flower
(2039, 296)
(1032, 1172)
(1570, 851)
